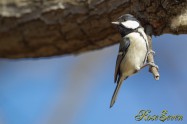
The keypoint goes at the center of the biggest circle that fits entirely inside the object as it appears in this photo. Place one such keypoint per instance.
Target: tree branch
(43, 28)
(150, 57)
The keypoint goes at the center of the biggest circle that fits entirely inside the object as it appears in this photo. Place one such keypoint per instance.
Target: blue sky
(77, 89)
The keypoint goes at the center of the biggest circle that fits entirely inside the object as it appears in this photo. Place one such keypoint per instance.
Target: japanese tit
(133, 50)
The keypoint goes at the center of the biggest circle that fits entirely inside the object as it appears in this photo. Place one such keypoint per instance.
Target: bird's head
(126, 22)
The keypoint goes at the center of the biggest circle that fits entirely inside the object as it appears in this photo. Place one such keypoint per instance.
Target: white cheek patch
(131, 24)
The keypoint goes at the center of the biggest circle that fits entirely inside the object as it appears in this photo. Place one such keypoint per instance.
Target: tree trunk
(41, 28)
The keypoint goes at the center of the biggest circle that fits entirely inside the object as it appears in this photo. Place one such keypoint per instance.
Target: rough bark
(41, 28)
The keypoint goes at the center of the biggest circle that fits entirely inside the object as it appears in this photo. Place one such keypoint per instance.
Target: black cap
(127, 17)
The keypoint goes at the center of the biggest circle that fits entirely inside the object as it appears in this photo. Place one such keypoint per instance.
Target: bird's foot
(150, 64)
(150, 51)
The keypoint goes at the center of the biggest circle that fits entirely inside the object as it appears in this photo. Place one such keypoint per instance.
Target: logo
(145, 115)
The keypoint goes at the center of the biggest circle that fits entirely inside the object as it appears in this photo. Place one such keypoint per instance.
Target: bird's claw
(151, 51)
(153, 65)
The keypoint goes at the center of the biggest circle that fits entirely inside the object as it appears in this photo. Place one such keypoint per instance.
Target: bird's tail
(119, 82)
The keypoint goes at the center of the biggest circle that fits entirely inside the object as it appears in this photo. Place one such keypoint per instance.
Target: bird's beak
(116, 23)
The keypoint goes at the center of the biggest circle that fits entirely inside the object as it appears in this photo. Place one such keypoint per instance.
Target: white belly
(135, 56)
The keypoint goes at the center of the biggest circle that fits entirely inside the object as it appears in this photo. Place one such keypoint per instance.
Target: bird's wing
(124, 45)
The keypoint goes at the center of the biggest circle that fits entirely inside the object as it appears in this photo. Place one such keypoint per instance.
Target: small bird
(133, 51)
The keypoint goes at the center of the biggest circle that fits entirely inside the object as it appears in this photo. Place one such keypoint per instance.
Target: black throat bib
(125, 31)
